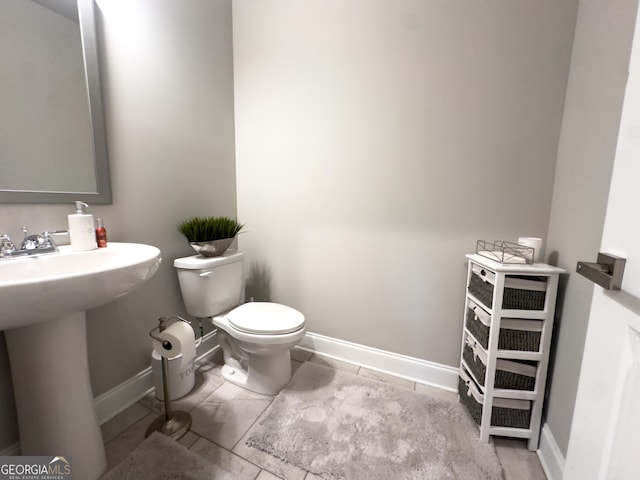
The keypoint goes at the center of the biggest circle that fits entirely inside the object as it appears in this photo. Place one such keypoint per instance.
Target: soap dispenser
(82, 229)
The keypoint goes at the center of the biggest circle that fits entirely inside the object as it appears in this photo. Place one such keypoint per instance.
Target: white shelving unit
(495, 308)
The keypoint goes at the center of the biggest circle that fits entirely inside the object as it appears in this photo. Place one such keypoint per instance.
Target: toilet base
(264, 374)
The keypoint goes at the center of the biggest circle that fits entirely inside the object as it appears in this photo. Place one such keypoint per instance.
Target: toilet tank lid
(199, 262)
(265, 318)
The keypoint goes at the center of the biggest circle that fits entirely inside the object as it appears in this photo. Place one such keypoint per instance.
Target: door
(605, 434)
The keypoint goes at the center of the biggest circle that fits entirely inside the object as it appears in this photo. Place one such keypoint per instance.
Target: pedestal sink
(43, 302)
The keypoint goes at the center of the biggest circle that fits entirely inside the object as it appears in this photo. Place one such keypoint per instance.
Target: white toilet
(256, 337)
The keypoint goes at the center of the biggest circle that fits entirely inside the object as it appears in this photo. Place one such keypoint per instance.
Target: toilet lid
(265, 318)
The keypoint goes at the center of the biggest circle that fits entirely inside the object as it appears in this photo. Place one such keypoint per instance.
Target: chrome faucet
(31, 244)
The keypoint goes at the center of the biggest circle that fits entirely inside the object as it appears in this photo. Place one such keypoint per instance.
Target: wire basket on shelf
(505, 252)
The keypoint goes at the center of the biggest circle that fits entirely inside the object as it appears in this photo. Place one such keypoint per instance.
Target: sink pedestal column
(56, 412)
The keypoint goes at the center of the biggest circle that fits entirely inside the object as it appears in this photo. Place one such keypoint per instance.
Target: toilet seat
(265, 318)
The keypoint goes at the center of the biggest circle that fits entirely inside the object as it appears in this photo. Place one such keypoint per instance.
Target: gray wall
(377, 140)
(595, 91)
(375, 144)
(169, 104)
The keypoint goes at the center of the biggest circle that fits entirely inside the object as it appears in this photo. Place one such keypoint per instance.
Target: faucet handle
(48, 240)
(6, 244)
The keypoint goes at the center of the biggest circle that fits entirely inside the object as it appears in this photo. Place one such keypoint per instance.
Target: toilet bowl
(256, 340)
(256, 337)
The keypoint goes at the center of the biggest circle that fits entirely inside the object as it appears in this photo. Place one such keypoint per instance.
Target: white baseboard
(414, 369)
(122, 396)
(11, 450)
(550, 455)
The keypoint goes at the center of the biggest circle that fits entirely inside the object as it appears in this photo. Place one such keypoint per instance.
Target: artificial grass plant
(204, 229)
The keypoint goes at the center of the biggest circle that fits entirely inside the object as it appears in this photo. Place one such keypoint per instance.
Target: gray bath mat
(343, 426)
(160, 458)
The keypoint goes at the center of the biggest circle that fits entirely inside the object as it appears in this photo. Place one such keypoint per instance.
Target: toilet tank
(211, 285)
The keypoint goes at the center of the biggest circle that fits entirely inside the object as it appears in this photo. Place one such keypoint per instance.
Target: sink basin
(44, 300)
(41, 288)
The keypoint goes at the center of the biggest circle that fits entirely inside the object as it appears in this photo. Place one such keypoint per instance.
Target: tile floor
(222, 413)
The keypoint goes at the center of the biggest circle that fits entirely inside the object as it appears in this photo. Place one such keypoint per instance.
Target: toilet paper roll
(177, 339)
(535, 243)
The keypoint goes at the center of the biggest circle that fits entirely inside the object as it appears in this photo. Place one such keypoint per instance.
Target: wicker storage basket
(510, 374)
(515, 334)
(505, 412)
(520, 293)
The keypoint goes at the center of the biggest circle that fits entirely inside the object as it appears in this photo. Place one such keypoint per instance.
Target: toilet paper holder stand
(173, 424)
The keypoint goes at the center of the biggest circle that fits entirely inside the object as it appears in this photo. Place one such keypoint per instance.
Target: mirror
(52, 136)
